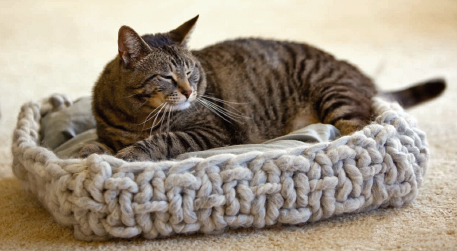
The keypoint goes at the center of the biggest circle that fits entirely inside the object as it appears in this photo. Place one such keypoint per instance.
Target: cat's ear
(132, 48)
(181, 34)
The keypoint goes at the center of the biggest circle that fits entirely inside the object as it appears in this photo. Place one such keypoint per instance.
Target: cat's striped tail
(418, 93)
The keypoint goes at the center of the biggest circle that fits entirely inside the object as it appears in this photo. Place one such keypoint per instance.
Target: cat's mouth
(180, 103)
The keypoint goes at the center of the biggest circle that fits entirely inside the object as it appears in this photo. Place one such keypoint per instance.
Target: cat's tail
(418, 93)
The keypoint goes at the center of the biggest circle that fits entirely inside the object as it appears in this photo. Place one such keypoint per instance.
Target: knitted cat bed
(104, 197)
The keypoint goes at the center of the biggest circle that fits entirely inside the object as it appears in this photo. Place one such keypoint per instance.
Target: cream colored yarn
(103, 197)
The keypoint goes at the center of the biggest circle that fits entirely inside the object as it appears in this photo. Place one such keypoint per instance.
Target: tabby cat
(157, 99)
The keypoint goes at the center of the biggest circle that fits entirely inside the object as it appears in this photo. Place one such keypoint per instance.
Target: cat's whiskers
(155, 118)
(131, 95)
(228, 113)
(141, 105)
(223, 101)
(221, 111)
(163, 118)
(168, 121)
(150, 116)
(212, 110)
(227, 103)
(166, 108)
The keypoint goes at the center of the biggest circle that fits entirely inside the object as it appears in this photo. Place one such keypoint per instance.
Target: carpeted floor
(57, 46)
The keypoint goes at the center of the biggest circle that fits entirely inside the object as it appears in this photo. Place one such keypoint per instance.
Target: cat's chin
(181, 106)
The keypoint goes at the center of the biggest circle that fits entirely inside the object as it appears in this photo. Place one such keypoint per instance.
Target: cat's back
(281, 83)
(264, 77)
(254, 61)
(244, 51)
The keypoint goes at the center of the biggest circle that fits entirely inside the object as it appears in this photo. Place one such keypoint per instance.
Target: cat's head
(158, 70)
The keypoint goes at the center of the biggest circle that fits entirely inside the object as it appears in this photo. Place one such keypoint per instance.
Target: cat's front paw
(94, 147)
(133, 153)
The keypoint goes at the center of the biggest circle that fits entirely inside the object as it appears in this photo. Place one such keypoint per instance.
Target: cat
(157, 99)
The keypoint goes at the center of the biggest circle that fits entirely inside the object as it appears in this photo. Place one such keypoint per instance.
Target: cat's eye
(188, 73)
(167, 77)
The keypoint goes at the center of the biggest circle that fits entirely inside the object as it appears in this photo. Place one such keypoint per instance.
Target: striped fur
(242, 91)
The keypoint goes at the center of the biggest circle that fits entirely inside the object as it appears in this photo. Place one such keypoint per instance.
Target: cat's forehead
(167, 57)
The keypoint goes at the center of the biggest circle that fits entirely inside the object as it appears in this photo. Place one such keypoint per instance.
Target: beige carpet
(53, 46)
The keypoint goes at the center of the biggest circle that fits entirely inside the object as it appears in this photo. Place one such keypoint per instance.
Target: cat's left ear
(181, 34)
(132, 48)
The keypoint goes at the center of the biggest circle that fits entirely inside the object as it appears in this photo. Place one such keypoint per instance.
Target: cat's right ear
(181, 34)
(132, 48)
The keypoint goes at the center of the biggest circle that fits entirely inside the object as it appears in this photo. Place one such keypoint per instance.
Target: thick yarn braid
(103, 197)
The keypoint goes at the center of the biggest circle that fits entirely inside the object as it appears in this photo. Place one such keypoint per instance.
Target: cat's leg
(347, 127)
(347, 108)
(94, 147)
(169, 145)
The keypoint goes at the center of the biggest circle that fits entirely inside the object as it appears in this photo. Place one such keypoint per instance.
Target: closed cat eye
(188, 73)
(168, 78)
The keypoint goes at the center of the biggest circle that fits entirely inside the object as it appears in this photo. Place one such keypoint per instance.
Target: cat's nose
(186, 93)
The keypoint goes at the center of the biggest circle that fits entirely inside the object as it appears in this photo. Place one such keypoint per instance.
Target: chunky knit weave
(103, 197)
